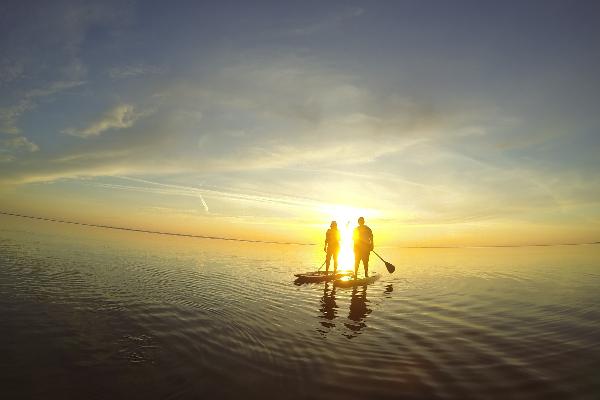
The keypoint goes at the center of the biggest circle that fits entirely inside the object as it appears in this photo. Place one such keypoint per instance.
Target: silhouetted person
(363, 244)
(332, 246)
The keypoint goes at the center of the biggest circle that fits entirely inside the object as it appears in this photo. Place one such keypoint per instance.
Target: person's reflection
(328, 307)
(358, 311)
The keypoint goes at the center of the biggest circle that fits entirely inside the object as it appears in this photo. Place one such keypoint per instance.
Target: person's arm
(372, 241)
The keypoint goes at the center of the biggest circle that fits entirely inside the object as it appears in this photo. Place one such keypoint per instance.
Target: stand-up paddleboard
(349, 281)
(319, 276)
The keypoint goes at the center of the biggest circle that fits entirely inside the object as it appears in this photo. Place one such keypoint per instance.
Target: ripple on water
(174, 323)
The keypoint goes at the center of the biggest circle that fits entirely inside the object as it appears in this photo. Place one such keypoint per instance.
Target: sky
(442, 123)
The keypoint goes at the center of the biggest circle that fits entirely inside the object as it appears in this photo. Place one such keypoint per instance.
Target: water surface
(90, 313)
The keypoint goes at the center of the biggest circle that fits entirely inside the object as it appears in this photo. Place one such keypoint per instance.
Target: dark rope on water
(153, 232)
(276, 242)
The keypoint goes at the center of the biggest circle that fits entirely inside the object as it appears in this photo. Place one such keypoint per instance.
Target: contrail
(203, 203)
(195, 191)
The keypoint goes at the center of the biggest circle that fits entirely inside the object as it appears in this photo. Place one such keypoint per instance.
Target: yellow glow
(346, 218)
(346, 256)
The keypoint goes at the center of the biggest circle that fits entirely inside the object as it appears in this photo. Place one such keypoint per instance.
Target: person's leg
(356, 262)
(366, 263)
(335, 260)
(327, 260)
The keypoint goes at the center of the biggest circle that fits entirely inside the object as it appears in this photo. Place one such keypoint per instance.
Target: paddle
(390, 267)
(321, 266)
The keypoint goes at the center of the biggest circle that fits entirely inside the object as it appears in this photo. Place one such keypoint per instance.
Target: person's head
(333, 225)
(361, 221)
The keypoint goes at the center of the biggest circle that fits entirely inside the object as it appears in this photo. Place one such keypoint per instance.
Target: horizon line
(233, 239)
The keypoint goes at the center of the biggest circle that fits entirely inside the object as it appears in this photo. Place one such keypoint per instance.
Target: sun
(346, 256)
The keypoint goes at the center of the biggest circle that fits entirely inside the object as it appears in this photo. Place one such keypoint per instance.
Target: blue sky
(440, 120)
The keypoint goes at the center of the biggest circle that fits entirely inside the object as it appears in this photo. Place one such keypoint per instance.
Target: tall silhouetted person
(363, 245)
(332, 246)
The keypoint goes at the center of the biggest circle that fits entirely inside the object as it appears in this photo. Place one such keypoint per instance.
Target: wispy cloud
(92, 155)
(9, 116)
(19, 143)
(131, 71)
(329, 22)
(267, 200)
(254, 115)
(120, 117)
(41, 56)
(6, 158)
(9, 148)
(281, 126)
(172, 189)
(10, 70)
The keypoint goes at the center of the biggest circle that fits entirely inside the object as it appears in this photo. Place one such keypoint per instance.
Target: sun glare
(346, 256)
(346, 218)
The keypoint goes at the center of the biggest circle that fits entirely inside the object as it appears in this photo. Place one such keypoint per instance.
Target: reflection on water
(328, 308)
(358, 311)
(85, 314)
(389, 289)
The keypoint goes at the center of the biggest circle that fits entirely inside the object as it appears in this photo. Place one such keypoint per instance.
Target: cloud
(11, 146)
(19, 143)
(6, 158)
(56, 32)
(44, 44)
(10, 71)
(131, 71)
(256, 114)
(265, 200)
(293, 125)
(329, 22)
(36, 171)
(52, 88)
(120, 117)
(9, 116)
(92, 155)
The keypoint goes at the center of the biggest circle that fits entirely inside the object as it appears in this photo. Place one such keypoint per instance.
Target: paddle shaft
(321, 266)
(378, 256)
(390, 267)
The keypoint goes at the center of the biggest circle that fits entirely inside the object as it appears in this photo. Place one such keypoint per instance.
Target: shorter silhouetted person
(363, 245)
(332, 246)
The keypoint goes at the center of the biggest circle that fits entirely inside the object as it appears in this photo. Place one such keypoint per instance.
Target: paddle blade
(390, 267)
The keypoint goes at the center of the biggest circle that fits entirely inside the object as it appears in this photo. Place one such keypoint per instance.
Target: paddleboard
(319, 276)
(349, 281)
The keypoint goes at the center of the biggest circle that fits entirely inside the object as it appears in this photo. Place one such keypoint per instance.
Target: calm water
(87, 313)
